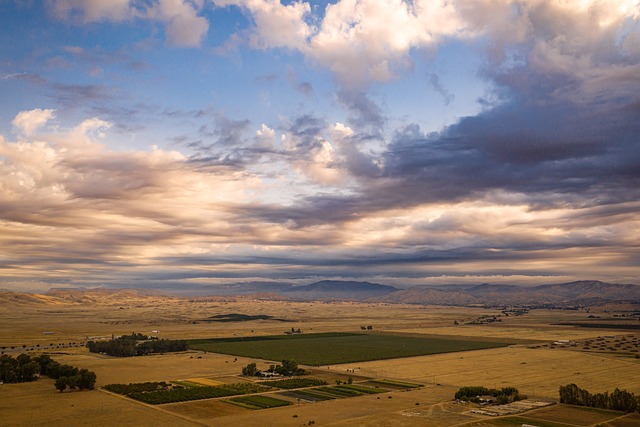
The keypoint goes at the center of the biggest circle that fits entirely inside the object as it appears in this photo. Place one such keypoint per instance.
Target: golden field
(37, 323)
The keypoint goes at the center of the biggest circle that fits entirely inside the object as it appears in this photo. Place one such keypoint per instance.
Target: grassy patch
(335, 348)
(258, 402)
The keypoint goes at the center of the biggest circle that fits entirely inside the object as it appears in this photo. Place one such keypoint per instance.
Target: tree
(288, 368)
(61, 384)
(86, 379)
(251, 370)
(29, 371)
(43, 360)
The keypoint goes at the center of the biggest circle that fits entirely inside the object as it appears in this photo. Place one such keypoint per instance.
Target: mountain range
(576, 293)
(585, 292)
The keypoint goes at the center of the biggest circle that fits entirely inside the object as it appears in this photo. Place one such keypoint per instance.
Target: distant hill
(579, 292)
(338, 290)
(584, 292)
(19, 298)
(105, 296)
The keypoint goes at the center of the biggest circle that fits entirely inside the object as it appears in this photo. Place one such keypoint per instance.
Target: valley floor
(533, 365)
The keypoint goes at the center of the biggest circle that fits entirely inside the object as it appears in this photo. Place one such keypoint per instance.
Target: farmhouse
(267, 374)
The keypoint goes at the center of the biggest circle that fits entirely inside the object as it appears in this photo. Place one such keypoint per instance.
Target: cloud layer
(544, 181)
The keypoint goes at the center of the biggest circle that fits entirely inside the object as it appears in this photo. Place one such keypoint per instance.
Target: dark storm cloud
(588, 152)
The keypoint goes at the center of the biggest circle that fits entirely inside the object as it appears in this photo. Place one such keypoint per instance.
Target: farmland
(335, 348)
(535, 369)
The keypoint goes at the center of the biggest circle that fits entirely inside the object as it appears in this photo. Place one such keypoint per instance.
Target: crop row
(130, 388)
(399, 384)
(258, 402)
(158, 393)
(338, 392)
(291, 383)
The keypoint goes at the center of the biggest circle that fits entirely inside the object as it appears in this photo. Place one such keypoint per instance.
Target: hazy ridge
(579, 292)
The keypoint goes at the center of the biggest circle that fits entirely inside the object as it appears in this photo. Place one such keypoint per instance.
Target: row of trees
(618, 400)
(128, 345)
(501, 396)
(25, 368)
(83, 379)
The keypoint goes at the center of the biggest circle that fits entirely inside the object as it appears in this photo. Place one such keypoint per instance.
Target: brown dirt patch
(204, 409)
(632, 420)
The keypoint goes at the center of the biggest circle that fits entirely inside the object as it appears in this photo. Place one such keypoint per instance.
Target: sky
(188, 143)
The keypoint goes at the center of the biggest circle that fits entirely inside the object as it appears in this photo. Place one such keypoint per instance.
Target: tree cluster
(161, 346)
(18, 370)
(83, 379)
(618, 400)
(25, 368)
(129, 345)
(288, 368)
(502, 396)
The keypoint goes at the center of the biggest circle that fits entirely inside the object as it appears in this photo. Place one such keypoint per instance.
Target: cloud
(365, 113)
(183, 26)
(276, 25)
(546, 177)
(27, 122)
(366, 41)
(438, 86)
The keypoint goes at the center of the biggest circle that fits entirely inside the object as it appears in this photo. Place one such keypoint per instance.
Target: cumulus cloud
(27, 122)
(183, 25)
(276, 24)
(367, 40)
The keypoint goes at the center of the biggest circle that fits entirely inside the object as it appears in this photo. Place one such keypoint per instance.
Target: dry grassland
(370, 410)
(573, 415)
(167, 367)
(628, 421)
(537, 372)
(39, 404)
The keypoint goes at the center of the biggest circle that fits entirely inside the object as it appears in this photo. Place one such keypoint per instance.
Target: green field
(335, 348)
(161, 392)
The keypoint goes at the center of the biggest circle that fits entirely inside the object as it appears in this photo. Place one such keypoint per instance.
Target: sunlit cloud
(179, 171)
